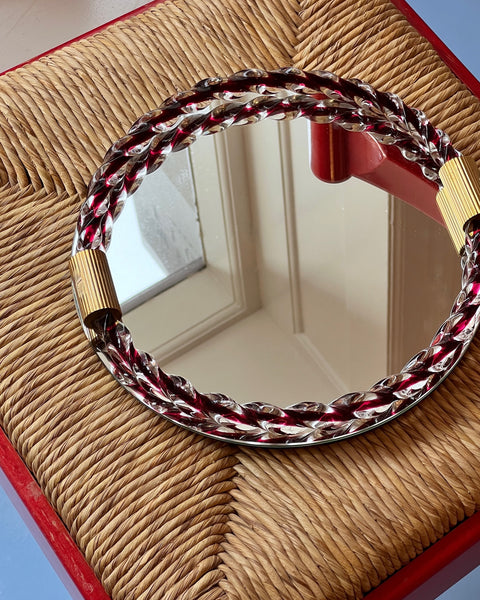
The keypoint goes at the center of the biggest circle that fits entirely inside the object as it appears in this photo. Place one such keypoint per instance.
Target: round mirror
(239, 269)
(272, 287)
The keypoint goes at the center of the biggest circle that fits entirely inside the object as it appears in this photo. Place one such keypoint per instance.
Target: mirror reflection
(157, 241)
(238, 269)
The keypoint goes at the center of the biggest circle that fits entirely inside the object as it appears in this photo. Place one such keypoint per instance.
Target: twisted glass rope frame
(246, 97)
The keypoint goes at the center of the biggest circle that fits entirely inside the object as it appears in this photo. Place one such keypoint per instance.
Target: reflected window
(156, 243)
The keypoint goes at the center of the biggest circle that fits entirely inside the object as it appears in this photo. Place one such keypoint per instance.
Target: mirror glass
(277, 287)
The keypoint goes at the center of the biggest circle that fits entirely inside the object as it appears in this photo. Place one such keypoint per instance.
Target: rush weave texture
(158, 512)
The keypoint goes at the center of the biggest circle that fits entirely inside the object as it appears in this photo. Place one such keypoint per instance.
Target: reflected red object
(337, 155)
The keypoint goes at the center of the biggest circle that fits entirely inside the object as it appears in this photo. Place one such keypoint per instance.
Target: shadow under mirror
(244, 273)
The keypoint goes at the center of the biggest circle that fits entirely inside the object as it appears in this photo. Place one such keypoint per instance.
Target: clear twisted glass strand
(247, 97)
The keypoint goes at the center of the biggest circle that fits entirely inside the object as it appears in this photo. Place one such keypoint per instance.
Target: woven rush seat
(158, 512)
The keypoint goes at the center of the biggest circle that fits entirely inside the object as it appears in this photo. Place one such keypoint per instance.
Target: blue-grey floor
(25, 572)
(467, 588)
(456, 24)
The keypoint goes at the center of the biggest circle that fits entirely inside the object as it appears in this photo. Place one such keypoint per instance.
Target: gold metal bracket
(93, 284)
(459, 199)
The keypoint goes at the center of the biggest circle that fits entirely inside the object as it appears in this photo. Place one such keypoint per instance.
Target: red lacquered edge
(54, 535)
(436, 569)
(124, 17)
(442, 50)
(424, 578)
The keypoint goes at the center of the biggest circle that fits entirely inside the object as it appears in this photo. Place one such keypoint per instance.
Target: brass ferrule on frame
(459, 199)
(94, 289)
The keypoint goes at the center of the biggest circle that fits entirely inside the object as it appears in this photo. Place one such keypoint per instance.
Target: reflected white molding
(227, 289)
(301, 336)
(424, 271)
(287, 175)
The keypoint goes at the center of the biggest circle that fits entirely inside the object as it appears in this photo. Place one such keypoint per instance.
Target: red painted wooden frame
(436, 569)
(47, 528)
(336, 155)
(448, 57)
